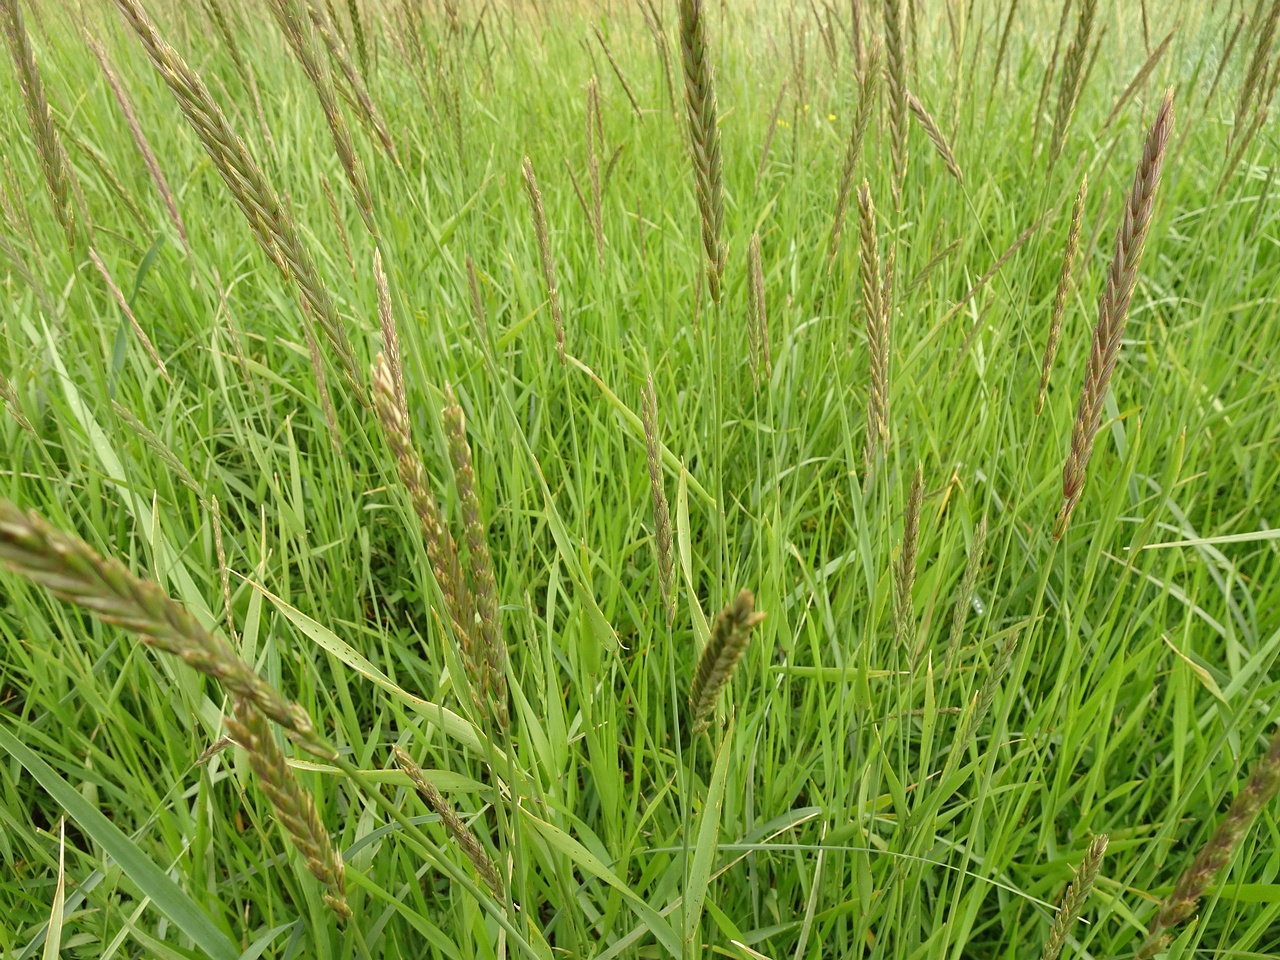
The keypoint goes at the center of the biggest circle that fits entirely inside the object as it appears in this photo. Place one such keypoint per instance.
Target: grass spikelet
(293, 806)
(661, 512)
(729, 638)
(160, 449)
(964, 597)
(874, 316)
(272, 224)
(119, 297)
(1256, 73)
(442, 551)
(139, 138)
(10, 396)
(1046, 82)
(322, 383)
(769, 132)
(757, 314)
(704, 137)
(1060, 298)
(289, 17)
(338, 222)
(867, 94)
(458, 831)
(1263, 783)
(73, 571)
(1113, 309)
(493, 652)
(594, 145)
(930, 127)
(390, 335)
(1072, 77)
(1074, 899)
(356, 92)
(544, 253)
(617, 70)
(357, 34)
(49, 148)
(478, 312)
(904, 571)
(896, 62)
(215, 514)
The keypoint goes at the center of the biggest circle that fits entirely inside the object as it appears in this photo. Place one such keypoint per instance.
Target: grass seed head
(728, 642)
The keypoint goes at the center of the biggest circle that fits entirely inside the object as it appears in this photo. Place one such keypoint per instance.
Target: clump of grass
(1263, 784)
(867, 92)
(293, 806)
(1074, 899)
(896, 60)
(272, 223)
(1060, 298)
(1072, 77)
(458, 831)
(661, 511)
(53, 158)
(904, 571)
(704, 138)
(544, 253)
(934, 133)
(728, 642)
(1113, 311)
(73, 571)
(139, 138)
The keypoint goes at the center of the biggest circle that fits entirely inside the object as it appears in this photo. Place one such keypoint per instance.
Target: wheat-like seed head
(1113, 310)
(1074, 899)
(458, 831)
(1072, 77)
(1060, 299)
(934, 133)
(493, 651)
(1213, 857)
(729, 638)
(139, 138)
(272, 223)
(704, 138)
(49, 148)
(1256, 73)
(896, 61)
(73, 571)
(867, 95)
(294, 807)
(960, 612)
(544, 253)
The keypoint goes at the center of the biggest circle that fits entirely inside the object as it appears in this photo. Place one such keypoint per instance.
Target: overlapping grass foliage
(943, 712)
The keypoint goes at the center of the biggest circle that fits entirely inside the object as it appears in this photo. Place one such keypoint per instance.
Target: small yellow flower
(831, 117)
(783, 123)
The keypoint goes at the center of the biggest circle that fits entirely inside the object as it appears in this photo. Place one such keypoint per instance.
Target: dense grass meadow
(360, 598)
